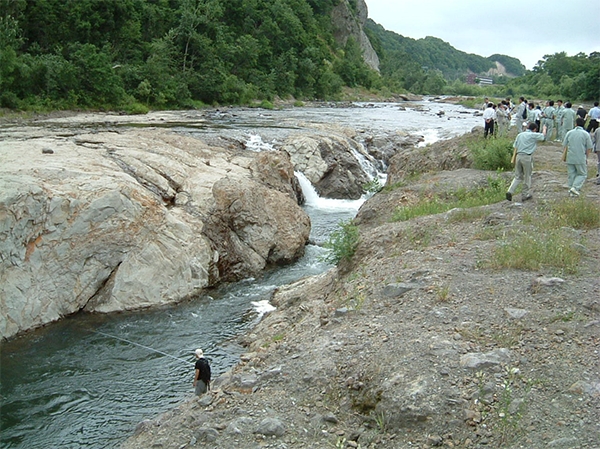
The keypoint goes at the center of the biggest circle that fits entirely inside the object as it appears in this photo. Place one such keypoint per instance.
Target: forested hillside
(140, 54)
(432, 53)
(171, 53)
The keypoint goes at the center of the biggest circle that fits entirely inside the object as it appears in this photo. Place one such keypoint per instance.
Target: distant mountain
(432, 53)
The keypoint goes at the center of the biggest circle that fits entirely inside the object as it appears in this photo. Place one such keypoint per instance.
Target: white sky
(522, 29)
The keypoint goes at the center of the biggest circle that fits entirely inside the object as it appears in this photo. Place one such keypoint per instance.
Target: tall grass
(537, 250)
(342, 243)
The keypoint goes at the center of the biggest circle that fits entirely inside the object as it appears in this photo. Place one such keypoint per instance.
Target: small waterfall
(257, 144)
(365, 163)
(314, 200)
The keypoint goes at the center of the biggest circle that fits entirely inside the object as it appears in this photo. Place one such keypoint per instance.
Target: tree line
(140, 54)
(432, 66)
(171, 53)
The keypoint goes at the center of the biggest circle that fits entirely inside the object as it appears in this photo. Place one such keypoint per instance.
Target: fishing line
(141, 346)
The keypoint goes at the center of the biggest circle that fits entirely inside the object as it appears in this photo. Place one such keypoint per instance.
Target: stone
(207, 434)
(398, 289)
(271, 427)
(516, 313)
(483, 360)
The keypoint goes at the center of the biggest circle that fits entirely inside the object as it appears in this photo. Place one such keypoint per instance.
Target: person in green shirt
(568, 120)
(577, 145)
(548, 116)
(524, 146)
(560, 109)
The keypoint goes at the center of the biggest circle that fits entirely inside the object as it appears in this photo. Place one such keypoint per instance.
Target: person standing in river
(201, 373)
(524, 146)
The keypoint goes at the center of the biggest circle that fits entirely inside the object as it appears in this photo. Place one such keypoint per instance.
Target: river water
(88, 380)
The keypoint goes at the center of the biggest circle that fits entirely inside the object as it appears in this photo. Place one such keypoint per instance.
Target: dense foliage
(135, 54)
(165, 53)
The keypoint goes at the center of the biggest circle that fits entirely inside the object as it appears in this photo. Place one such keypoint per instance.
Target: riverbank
(419, 341)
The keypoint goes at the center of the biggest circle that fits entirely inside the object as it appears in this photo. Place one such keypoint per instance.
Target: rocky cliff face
(123, 220)
(348, 21)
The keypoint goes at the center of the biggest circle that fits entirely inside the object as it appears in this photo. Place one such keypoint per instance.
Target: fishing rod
(142, 346)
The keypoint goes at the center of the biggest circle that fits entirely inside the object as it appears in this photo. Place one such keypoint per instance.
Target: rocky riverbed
(417, 342)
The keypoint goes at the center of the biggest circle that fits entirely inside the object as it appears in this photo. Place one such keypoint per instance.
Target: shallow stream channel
(88, 380)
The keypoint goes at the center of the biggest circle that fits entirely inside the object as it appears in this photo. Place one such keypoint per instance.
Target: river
(88, 380)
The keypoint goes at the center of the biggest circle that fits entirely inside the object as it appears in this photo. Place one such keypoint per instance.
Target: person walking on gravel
(524, 146)
(577, 145)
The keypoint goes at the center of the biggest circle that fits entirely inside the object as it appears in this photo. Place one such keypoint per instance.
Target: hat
(199, 353)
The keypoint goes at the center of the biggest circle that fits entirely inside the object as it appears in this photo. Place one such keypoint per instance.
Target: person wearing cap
(201, 374)
(577, 145)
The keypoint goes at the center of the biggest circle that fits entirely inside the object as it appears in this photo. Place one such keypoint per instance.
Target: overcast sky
(517, 28)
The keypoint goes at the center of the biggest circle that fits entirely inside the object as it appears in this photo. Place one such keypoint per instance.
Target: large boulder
(330, 161)
(111, 221)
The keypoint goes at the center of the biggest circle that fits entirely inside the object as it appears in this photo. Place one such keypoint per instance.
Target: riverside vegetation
(472, 324)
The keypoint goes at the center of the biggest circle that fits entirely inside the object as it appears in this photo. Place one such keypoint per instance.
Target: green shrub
(136, 108)
(342, 243)
(492, 153)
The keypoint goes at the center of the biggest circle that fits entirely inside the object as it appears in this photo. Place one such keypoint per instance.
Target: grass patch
(536, 250)
(548, 242)
(494, 192)
(582, 213)
(462, 215)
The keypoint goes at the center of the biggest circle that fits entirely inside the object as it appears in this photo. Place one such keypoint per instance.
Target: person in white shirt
(594, 116)
(489, 117)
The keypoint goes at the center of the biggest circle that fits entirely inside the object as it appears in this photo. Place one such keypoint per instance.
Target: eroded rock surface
(123, 220)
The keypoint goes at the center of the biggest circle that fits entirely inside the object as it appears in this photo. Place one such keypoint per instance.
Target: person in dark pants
(489, 117)
(594, 116)
(201, 374)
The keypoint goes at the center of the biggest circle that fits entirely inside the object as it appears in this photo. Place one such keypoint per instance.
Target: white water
(313, 200)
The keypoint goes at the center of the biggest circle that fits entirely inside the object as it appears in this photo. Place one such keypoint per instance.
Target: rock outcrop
(113, 221)
(348, 23)
(330, 161)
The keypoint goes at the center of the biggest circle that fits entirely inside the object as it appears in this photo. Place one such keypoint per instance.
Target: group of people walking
(498, 118)
(577, 142)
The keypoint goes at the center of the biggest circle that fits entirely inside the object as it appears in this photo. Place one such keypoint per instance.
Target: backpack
(524, 114)
(204, 370)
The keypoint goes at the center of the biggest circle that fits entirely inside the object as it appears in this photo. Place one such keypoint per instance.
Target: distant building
(473, 78)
